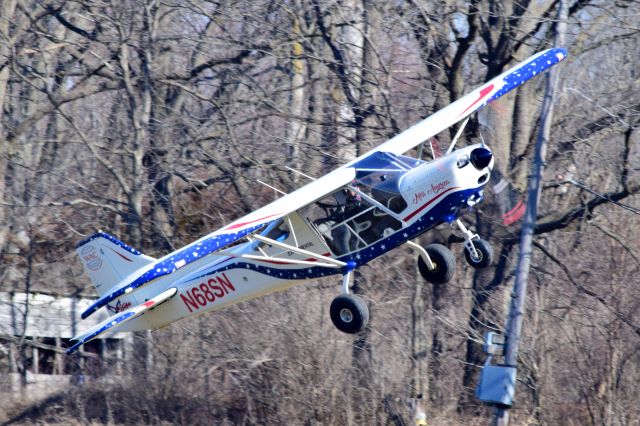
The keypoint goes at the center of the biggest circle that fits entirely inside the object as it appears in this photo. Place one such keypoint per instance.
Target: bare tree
(153, 120)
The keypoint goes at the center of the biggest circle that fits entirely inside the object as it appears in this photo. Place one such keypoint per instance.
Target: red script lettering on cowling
(433, 190)
(207, 292)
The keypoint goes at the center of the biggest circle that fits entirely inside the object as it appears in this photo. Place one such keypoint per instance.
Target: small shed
(36, 329)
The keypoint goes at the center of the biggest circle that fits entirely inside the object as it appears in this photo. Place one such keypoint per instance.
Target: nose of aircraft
(481, 158)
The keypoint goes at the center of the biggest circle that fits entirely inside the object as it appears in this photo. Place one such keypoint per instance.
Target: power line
(604, 197)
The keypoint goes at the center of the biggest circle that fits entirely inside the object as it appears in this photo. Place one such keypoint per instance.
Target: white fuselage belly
(210, 293)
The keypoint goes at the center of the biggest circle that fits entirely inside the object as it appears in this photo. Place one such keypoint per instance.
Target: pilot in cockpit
(349, 204)
(348, 201)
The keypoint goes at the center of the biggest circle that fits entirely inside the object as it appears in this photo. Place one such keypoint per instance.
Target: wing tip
(560, 52)
(75, 347)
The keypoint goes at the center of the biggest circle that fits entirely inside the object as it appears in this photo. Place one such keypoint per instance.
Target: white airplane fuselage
(434, 192)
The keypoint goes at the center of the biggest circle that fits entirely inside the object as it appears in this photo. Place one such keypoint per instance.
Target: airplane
(331, 226)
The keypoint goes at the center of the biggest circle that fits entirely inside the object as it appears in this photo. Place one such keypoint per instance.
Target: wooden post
(35, 355)
(518, 295)
(58, 366)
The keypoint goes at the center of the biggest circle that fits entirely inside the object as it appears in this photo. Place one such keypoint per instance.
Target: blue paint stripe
(101, 330)
(529, 70)
(111, 238)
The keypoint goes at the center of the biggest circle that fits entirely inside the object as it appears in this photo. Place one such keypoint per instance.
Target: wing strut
(291, 261)
(458, 133)
(284, 246)
(420, 150)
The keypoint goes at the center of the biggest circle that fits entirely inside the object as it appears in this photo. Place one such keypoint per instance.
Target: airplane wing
(410, 138)
(112, 324)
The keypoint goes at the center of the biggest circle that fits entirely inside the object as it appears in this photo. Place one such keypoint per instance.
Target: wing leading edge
(473, 101)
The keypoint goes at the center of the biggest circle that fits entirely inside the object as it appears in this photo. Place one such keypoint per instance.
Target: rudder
(108, 260)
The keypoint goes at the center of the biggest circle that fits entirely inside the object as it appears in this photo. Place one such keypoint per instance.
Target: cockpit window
(367, 210)
(379, 176)
(383, 187)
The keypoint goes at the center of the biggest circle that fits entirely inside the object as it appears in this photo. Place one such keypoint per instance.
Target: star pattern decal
(111, 238)
(536, 66)
(115, 321)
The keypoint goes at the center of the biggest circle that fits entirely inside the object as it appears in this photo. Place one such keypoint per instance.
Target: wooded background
(152, 120)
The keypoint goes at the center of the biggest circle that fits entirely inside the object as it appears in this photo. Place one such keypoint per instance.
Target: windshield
(379, 175)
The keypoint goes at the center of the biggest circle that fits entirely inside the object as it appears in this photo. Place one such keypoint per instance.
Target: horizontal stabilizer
(112, 324)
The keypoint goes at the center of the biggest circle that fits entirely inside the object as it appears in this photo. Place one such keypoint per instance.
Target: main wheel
(349, 313)
(485, 254)
(444, 262)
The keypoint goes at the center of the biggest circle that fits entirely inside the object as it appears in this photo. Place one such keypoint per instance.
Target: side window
(391, 200)
(278, 231)
(347, 222)
(382, 186)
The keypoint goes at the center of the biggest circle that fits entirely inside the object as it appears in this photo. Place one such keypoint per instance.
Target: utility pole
(518, 296)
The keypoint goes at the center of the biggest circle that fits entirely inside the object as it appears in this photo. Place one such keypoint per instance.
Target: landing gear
(349, 313)
(478, 252)
(439, 264)
(484, 254)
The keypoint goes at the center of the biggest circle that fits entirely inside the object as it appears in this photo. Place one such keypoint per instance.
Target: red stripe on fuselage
(425, 205)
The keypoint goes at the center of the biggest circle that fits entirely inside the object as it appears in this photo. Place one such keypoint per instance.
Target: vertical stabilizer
(108, 260)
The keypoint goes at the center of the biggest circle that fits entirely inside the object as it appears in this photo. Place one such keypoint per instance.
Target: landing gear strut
(349, 313)
(478, 252)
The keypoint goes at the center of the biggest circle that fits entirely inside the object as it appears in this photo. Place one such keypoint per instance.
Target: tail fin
(108, 260)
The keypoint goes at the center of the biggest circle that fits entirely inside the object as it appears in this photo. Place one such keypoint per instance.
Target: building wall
(36, 330)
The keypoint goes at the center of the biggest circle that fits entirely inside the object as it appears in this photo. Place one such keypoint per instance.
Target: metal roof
(48, 316)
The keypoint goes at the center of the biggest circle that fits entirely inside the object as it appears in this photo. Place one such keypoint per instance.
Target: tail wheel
(485, 254)
(349, 313)
(444, 263)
